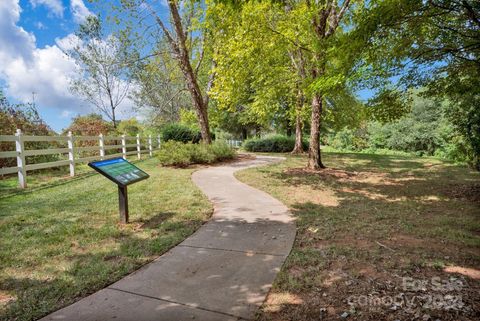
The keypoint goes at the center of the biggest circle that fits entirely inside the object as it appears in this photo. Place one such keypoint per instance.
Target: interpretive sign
(122, 173)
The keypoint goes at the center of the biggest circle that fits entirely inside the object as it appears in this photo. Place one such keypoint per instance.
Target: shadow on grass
(390, 177)
(89, 272)
(156, 220)
(45, 186)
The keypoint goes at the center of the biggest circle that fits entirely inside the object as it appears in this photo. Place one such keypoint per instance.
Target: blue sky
(31, 35)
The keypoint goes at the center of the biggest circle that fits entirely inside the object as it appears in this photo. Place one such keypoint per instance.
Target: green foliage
(254, 74)
(348, 139)
(130, 127)
(272, 144)
(160, 92)
(26, 118)
(463, 112)
(388, 105)
(89, 125)
(174, 153)
(439, 41)
(179, 133)
(425, 130)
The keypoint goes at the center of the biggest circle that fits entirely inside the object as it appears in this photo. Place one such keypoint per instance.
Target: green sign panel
(119, 171)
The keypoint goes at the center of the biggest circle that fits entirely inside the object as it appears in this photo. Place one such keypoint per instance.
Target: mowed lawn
(375, 232)
(62, 241)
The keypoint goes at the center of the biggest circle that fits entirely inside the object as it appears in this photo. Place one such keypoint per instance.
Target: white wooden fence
(70, 152)
(234, 143)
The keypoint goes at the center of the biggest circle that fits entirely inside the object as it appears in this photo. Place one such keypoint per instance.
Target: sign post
(123, 203)
(122, 173)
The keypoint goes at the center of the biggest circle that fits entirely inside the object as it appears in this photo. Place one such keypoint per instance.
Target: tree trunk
(202, 116)
(180, 49)
(288, 129)
(314, 155)
(114, 120)
(197, 99)
(298, 148)
(244, 133)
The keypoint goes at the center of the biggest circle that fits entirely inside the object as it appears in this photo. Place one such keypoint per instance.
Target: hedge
(272, 144)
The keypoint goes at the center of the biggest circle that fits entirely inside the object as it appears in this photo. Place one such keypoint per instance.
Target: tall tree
(325, 19)
(255, 74)
(437, 43)
(298, 62)
(103, 80)
(160, 89)
(186, 40)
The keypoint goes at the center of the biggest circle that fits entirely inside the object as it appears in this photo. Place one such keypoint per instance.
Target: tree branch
(336, 18)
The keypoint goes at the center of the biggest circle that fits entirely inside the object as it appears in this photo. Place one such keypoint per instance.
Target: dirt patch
(370, 225)
(5, 298)
(471, 273)
(468, 192)
(302, 194)
(327, 172)
(345, 176)
(275, 301)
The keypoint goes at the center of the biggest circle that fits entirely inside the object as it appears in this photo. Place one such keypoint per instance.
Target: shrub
(272, 144)
(26, 118)
(222, 150)
(180, 133)
(173, 153)
(349, 140)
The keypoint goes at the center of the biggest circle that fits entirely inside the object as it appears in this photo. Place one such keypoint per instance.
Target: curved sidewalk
(222, 272)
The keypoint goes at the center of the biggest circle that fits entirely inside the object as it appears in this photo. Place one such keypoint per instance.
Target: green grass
(364, 223)
(62, 241)
(46, 177)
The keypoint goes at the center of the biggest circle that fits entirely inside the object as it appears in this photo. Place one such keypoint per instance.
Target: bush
(180, 133)
(272, 144)
(26, 118)
(173, 153)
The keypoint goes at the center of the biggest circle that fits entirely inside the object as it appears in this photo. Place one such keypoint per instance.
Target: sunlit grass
(62, 241)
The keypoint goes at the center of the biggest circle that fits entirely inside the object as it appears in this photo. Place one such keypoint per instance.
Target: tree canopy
(245, 66)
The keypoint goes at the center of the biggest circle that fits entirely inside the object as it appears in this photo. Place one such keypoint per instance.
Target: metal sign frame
(122, 188)
(110, 177)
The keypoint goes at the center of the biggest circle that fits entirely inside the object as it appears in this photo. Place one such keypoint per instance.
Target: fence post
(159, 142)
(71, 155)
(150, 148)
(124, 147)
(101, 144)
(139, 155)
(20, 147)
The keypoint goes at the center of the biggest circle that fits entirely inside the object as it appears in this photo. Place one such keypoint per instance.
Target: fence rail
(71, 152)
(234, 143)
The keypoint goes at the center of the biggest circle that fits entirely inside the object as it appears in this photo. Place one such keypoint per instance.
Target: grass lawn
(61, 241)
(373, 233)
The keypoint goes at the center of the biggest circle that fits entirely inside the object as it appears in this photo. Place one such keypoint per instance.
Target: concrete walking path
(222, 272)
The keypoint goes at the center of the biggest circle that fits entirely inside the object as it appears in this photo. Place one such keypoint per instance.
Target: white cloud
(54, 6)
(40, 25)
(13, 39)
(25, 68)
(79, 11)
(68, 42)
